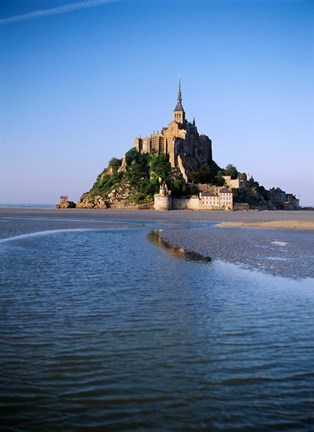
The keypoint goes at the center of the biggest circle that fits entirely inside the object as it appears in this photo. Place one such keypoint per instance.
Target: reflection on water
(101, 330)
(180, 252)
(284, 253)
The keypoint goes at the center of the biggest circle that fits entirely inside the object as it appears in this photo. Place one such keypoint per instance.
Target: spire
(179, 92)
(179, 106)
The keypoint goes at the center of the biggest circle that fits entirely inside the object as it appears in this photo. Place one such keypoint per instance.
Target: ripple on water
(101, 330)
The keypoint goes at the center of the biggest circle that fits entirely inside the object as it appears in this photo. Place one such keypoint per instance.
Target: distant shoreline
(27, 206)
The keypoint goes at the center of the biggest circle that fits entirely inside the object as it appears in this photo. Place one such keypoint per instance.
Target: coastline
(213, 215)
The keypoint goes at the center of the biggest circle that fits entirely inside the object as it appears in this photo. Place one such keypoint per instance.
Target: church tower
(179, 114)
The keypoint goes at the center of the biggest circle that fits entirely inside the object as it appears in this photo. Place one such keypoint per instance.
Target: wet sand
(45, 219)
(285, 253)
(284, 247)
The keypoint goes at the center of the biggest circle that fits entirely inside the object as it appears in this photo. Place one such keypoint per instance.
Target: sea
(102, 330)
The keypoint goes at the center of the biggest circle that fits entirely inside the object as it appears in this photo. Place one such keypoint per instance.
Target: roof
(179, 106)
(208, 194)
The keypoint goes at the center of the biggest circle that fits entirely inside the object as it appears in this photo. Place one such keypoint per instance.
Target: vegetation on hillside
(137, 178)
(253, 194)
(210, 174)
(140, 176)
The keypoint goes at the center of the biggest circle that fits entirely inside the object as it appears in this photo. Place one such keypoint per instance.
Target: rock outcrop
(92, 202)
(119, 197)
(65, 203)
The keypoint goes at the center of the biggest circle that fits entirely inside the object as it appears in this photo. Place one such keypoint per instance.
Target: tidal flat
(280, 243)
(285, 253)
(36, 219)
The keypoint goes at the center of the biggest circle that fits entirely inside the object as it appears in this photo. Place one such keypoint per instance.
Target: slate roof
(179, 106)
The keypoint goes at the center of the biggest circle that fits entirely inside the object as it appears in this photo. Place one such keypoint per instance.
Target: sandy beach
(274, 224)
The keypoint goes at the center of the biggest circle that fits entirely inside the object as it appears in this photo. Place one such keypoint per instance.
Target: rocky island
(174, 169)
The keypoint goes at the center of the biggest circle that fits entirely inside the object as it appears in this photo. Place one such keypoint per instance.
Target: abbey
(187, 149)
(195, 181)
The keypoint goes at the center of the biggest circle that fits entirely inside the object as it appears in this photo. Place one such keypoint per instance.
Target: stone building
(234, 183)
(279, 199)
(217, 198)
(187, 149)
(214, 198)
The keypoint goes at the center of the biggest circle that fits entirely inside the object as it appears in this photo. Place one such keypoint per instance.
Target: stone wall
(191, 203)
(180, 203)
(241, 206)
(182, 169)
(232, 184)
(162, 202)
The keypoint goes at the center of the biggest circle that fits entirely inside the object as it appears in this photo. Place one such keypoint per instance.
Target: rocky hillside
(133, 181)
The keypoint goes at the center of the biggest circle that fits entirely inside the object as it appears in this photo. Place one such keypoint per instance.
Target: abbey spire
(180, 140)
(179, 114)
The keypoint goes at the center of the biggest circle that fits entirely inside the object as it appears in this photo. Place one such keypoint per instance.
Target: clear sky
(79, 80)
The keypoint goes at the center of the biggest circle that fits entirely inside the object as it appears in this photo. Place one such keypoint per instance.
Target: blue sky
(81, 79)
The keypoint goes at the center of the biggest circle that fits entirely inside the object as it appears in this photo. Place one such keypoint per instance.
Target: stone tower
(187, 149)
(178, 113)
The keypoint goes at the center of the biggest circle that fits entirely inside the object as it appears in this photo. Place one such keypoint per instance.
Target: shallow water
(285, 253)
(101, 330)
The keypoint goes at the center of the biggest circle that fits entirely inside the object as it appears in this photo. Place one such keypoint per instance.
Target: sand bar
(275, 224)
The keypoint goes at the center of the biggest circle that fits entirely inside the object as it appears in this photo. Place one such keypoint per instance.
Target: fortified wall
(216, 198)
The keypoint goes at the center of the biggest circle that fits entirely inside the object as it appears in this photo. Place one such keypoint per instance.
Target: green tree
(219, 181)
(160, 166)
(178, 186)
(115, 164)
(231, 170)
(206, 174)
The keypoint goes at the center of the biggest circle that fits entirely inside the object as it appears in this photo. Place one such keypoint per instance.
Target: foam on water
(43, 233)
(279, 243)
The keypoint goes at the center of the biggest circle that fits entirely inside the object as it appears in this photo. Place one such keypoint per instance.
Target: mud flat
(279, 252)
(173, 215)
